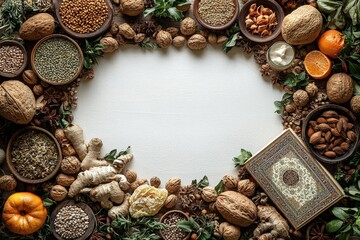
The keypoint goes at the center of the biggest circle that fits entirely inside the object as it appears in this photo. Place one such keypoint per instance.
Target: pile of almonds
(261, 20)
(331, 134)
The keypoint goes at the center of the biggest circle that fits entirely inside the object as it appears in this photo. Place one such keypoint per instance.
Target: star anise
(260, 53)
(318, 232)
(147, 27)
(51, 117)
(246, 46)
(266, 70)
(190, 199)
(53, 97)
(260, 198)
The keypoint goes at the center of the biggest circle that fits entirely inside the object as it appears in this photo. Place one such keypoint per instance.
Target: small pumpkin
(24, 213)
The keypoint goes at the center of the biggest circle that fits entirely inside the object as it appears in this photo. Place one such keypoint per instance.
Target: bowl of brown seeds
(57, 59)
(216, 14)
(13, 58)
(331, 133)
(71, 220)
(84, 18)
(33, 155)
(173, 232)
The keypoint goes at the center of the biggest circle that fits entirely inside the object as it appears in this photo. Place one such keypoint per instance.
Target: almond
(328, 136)
(321, 120)
(338, 141)
(332, 120)
(324, 127)
(351, 136)
(335, 132)
(320, 146)
(310, 132)
(344, 146)
(330, 154)
(315, 138)
(338, 150)
(349, 126)
(339, 125)
(330, 114)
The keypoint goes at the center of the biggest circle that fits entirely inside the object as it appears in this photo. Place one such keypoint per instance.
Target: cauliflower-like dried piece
(147, 201)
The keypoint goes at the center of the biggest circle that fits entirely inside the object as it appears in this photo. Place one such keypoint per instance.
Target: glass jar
(280, 55)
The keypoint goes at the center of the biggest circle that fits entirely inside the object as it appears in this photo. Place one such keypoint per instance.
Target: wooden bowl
(167, 214)
(81, 205)
(11, 165)
(274, 6)
(313, 115)
(21, 69)
(106, 25)
(81, 56)
(212, 27)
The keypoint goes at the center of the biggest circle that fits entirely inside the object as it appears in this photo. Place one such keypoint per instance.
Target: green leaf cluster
(296, 81)
(338, 10)
(286, 99)
(12, 14)
(202, 227)
(91, 51)
(166, 9)
(346, 224)
(240, 160)
(147, 44)
(114, 154)
(355, 177)
(234, 35)
(204, 182)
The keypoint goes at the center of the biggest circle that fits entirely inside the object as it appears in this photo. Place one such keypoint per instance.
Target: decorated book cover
(298, 185)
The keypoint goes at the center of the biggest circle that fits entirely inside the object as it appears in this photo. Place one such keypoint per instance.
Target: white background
(184, 114)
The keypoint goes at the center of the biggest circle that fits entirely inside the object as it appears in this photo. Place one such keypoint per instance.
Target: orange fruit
(331, 43)
(317, 64)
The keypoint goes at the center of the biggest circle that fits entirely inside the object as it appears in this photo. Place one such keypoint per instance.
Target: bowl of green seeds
(57, 59)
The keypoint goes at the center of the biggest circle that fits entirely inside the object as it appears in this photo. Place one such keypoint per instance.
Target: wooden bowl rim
(11, 165)
(23, 66)
(81, 56)
(319, 110)
(106, 25)
(81, 205)
(170, 212)
(267, 3)
(211, 27)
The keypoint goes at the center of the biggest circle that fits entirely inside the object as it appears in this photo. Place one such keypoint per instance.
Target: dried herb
(11, 15)
(281, 104)
(167, 9)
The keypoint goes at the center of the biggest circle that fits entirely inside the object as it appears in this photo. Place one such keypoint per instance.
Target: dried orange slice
(317, 64)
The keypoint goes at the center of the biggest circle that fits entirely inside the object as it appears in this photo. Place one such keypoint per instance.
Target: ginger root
(106, 194)
(92, 156)
(272, 225)
(75, 135)
(121, 161)
(121, 210)
(93, 177)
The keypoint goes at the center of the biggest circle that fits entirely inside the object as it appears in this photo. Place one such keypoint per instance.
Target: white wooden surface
(183, 114)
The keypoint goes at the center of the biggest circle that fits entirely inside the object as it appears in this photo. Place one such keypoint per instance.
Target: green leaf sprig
(91, 51)
(286, 98)
(114, 154)
(346, 224)
(204, 182)
(202, 227)
(296, 81)
(234, 36)
(167, 9)
(240, 160)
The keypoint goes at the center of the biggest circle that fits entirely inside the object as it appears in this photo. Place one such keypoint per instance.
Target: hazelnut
(155, 182)
(132, 7)
(173, 31)
(38, 90)
(64, 180)
(7, 183)
(197, 42)
(179, 41)
(30, 77)
(126, 31)
(221, 39)
(204, 33)
(139, 37)
(188, 26)
(170, 201)
(110, 44)
(130, 175)
(163, 39)
(246, 187)
(58, 193)
(67, 150)
(355, 104)
(114, 29)
(60, 135)
(209, 194)
(212, 38)
(312, 89)
(229, 231)
(70, 165)
(290, 108)
(44, 84)
(230, 182)
(173, 185)
(301, 98)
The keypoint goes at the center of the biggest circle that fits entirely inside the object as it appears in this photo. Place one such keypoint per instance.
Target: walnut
(60, 135)
(301, 98)
(29, 77)
(312, 89)
(173, 185)
(163, 39)
(70, 165)
(126, 31)
(212, 38)
(246, 187)
(114, 29)
(38, 90)
(139, 37)
(290, 108)
(229, 231)
(209, 194)
(170, 201)
(7, 183)
(197, 42)
(17, 102)
(58, 193)
(110, 44)
(67, 150)
(130, 175)
(138, 183)
(188, 26)
(132, 7)
(179, 41)
(173, 31)
(221, 39)
(155, 182)
(339, 88)
(355, 104)
(230, 182)
(64, 180)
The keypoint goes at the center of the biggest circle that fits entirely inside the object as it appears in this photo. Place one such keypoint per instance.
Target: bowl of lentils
(13, 58)
(216, 14)
(71, 220)
(84, 18)
(33, 155)
(57, 59)
(172, 231)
